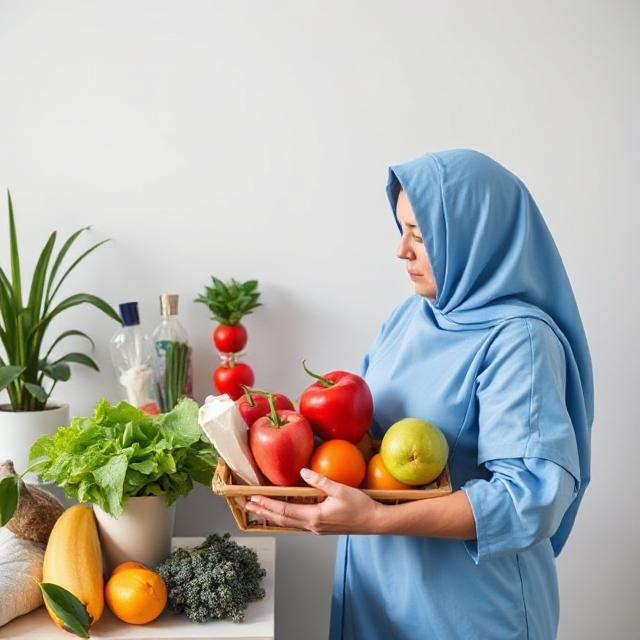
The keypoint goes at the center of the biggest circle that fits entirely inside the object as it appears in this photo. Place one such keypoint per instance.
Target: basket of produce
(263, 443)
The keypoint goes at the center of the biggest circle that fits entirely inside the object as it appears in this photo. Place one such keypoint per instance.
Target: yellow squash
(73, 559)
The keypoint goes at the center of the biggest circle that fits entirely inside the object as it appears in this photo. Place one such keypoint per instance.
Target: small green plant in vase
(229, 303)
(27, 366)
(32, 365)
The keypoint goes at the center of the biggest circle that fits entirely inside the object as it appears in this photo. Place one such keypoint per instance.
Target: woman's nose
(404, 250)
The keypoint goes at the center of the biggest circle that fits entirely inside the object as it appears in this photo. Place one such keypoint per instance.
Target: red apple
(281, 444)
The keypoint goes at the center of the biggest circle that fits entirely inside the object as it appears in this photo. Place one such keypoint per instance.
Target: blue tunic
(511, 391)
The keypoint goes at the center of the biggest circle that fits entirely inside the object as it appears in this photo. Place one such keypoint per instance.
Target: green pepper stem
(248, 396)
(271, 399)
(323, 381)
(275, 419)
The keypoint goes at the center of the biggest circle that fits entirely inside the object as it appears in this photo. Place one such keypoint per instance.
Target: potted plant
(132, 466)
(30, 367)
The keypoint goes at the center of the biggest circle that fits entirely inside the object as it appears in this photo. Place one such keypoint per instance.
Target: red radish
(229, 378)
(253, 404)
(281, 444)
(230, 338)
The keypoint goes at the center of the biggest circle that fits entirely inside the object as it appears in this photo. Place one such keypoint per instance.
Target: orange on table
(340, 461)
(379, 478)
(136, 596)
(129, 564)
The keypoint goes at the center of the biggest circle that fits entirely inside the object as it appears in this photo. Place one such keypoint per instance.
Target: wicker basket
(237, 495)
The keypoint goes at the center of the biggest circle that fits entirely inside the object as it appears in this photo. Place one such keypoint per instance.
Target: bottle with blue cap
(133, 358)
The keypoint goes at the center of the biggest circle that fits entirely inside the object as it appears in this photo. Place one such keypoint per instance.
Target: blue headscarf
(493, 258)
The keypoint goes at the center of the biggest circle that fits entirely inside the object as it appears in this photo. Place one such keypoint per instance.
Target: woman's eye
(417, 238)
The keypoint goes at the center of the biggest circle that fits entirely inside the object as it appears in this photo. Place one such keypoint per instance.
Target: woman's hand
(344, 510)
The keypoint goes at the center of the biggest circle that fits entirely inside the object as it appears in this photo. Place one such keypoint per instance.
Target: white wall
(251, 139)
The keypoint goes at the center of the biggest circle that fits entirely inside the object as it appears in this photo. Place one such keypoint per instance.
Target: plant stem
(274, 417)
(323, 381)
(248, 396)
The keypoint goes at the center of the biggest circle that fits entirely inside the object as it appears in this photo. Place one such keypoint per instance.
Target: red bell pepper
(338, 405)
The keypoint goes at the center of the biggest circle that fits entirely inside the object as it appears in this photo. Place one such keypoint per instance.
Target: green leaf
(79, 358)
(74, 301)
(8, 374)
(86, 298)
(58, 371)
(68, 608)
(9, 495)
(67, 334)
(59, 258)
(36, 391)
(36, 294)
(73, 266)
(15, 257)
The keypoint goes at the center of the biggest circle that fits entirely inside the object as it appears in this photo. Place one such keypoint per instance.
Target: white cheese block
(220, 419)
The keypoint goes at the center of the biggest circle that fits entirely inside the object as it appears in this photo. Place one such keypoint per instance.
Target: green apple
(414, 451)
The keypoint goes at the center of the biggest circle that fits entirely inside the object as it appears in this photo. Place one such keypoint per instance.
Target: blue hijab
(493, 258)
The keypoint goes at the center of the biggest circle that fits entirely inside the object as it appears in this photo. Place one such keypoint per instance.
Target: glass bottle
(133, 358)
(173, 354)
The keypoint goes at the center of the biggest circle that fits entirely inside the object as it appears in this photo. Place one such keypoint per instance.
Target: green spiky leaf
(230, 302)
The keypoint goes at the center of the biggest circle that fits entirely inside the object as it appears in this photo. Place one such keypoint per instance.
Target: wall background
(251, 139)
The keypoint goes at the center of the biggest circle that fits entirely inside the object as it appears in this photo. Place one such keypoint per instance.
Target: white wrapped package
(220, 419)
(20, 571)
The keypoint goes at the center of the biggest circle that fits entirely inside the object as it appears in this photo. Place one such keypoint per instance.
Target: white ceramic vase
(20, 429)
(142, 533)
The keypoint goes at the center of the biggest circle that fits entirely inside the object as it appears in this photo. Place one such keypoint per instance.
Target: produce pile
(264, 440)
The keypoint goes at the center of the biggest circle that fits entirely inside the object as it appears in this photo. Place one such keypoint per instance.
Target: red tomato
(253, 406)
(228, 379)
(230, 339)
(281, 451)
(340, 461)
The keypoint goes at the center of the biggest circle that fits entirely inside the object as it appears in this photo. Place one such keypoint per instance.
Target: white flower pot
(20, 429)
(142, 533)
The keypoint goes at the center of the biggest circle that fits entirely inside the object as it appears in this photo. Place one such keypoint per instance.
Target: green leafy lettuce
(121, 452)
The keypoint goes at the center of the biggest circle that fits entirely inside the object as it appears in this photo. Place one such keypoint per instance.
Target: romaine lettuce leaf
(121, 452)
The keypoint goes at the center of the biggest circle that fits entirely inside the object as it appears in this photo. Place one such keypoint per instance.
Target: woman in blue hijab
(491, 348)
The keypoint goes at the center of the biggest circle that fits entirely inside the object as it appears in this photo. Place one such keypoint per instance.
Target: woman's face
(412, 249)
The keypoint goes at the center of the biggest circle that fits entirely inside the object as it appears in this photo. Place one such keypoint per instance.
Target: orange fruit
(379, 478)
(136, 596)
(130, 564)
(340, 461)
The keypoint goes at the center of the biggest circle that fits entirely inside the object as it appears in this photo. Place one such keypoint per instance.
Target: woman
(493, 351)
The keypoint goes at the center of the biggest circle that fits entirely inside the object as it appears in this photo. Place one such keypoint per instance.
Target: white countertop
(258, 623)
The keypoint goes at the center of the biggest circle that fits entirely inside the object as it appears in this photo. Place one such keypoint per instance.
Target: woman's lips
(414, 276)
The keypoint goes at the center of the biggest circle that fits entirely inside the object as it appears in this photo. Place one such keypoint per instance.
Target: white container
(20, 429)
(142, 533)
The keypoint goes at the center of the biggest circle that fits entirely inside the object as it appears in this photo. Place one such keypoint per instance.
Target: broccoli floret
(216, 579)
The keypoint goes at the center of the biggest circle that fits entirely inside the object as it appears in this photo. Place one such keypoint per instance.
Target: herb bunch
(229, 302)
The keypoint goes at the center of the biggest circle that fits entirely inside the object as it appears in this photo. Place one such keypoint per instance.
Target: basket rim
(222, 485)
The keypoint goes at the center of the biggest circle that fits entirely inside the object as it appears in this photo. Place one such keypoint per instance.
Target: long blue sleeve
(521, 505)
(525, 440)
